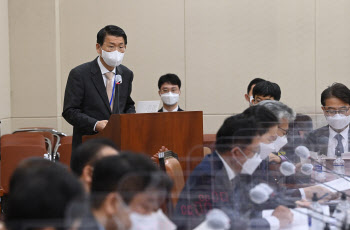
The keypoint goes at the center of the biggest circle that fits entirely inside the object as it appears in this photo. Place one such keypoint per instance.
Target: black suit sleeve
(130, 104)
(73, 102)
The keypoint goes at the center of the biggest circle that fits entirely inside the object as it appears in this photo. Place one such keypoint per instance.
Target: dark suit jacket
(86, 100)
(317, 140)
(161, 110)
(89, 222)
(209, 187)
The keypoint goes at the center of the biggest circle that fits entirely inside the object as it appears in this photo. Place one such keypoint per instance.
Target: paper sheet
(339, 184)
(147, 106)
(300, 218)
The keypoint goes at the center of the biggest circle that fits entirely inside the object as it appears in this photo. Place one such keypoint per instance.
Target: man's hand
(155, 156)
(101, 125)
(274, 158)
(320, 190)
(284, 215)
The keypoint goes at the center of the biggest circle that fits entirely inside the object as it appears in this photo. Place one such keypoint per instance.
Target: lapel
(119, 71)
(99, 84)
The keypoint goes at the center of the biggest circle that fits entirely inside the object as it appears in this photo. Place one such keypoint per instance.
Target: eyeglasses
(166, 90)
(332, 112)
(285, 131)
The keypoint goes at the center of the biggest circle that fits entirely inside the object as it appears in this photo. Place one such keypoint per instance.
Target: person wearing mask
(41, 192)
(249, 95)
(266, 90)
(222, 179)
(100, 88)
(169, 86)
(85, 156)
(335, 136)
(126, 193)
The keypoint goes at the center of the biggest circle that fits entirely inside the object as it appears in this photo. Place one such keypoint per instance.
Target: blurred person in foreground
(126, 193)
(222, 179)
(85, 156)
(41, 193)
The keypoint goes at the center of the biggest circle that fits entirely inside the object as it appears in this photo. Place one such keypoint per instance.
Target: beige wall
(5, 95)
(216, 47)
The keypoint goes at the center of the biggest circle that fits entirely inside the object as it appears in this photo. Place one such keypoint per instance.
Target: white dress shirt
(176, 109)
(273, 221)
(333, 142)
(104, 70)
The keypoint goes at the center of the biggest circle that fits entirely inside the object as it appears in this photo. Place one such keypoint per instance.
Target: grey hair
(279, 109)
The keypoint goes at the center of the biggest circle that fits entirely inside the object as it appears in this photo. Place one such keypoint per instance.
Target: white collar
(176, 109)
(230, 173)
(102, 67)
(343, 133)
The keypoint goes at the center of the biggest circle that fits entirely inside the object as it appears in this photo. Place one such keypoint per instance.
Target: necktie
(109, 87)
(339, 149)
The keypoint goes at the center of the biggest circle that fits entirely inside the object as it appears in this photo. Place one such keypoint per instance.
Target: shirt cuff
(302, 193)
(95, 126)
(274, 222)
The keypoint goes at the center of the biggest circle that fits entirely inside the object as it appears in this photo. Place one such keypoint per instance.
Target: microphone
(304, 153)
(118, 81)
(217, 219)
(287, 168)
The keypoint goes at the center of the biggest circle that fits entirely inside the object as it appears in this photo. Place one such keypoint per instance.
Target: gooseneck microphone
(304, 153)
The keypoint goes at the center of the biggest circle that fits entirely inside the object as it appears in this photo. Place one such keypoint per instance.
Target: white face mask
(154, 221)
(280, 142)
(260, 193)
(266, 149)
(338, 121)
(114, 58)
(251, 98)
(250, 165)
(170, 98)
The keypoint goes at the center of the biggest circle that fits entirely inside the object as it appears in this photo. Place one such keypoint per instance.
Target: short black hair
(169, 78)
(254, 82)
(40, 193)
(267, 88)
(264, 117)
(110, 30)
(237, 130)
(87, 152)
(127, 173)
(336, 90)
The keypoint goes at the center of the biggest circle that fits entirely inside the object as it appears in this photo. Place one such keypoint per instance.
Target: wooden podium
(181, 132)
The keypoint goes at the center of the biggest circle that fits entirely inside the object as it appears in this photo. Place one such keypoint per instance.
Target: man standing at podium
(99, 88)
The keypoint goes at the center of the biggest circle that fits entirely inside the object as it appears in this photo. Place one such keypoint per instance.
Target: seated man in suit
(41, 192)
(169, 86)
(99, 88)
(335, 136)
(222, 179)
(249, 95)
(85, 156)
(126, 182)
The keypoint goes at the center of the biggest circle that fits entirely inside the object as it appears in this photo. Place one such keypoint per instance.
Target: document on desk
(340, 184)
(300, 218)
(147, 106)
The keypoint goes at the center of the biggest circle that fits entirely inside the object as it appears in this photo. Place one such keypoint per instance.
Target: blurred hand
(274, 158)
(101, 125)
(320, 190)
(303, 204)
(284, 215)
(155, 156)
(298, 167)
